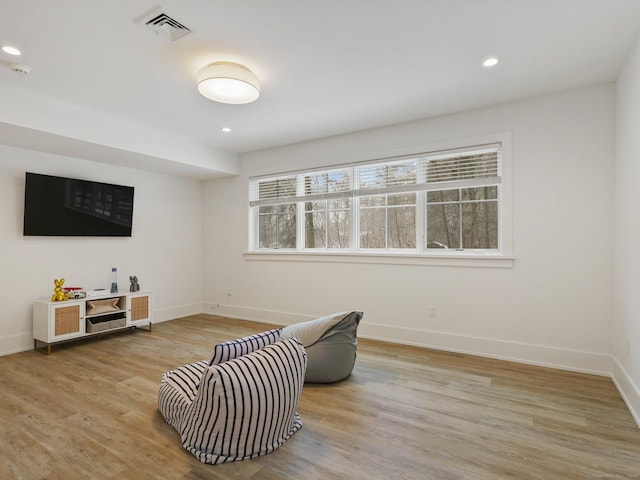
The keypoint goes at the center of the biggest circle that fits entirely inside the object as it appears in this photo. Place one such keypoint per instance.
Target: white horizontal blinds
(273, 191)
(327, 185)
(469, 169)
(380, 178)
(462, 168)
(322, 185)
(437, 171)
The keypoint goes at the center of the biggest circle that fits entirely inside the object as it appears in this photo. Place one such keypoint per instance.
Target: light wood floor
(88, 411)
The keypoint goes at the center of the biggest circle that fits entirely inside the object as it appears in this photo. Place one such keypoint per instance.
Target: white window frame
(501, 258)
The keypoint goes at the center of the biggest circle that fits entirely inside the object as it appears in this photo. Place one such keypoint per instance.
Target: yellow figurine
(59, 296)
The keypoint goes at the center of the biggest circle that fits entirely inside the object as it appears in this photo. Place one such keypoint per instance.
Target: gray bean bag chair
(330, 343)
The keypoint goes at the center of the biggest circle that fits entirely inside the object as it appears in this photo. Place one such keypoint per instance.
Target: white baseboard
(565, 359)
(16, 343)
(541, 355)
(585, 362)
(629, 391)
(171, 313)
(255, 314)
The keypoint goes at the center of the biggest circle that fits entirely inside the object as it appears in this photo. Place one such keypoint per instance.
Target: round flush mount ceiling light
(228, 82)
(11, 50)
(490, 62)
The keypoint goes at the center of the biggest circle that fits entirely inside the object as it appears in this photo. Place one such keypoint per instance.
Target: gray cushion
(313, 330)
(330, 343)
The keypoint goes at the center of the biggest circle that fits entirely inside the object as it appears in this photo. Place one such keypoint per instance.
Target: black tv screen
(58, 206)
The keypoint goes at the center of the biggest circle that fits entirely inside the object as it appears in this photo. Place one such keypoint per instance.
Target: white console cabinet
(61, 321)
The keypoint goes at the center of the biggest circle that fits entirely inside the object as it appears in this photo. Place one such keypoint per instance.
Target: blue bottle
(114, 280)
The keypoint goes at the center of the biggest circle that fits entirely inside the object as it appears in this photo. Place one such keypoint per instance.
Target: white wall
(554, 307)
(165, 251)
(626, 328)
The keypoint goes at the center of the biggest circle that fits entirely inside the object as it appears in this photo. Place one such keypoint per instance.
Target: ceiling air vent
(163, 24)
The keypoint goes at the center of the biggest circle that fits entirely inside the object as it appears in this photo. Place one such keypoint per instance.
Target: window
(277, 221)
(443, 202)
(464, 218)
(327, 219)
(387, 220)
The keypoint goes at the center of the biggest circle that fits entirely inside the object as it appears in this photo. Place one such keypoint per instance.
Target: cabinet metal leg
(42, 350)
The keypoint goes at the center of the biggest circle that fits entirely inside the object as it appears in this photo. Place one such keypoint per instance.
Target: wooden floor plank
(89, 411)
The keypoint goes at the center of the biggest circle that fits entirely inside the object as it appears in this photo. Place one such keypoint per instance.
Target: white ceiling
(326, 67)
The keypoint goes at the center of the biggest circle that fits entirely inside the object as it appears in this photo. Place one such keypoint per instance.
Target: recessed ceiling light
(226, 129)
(11, 50)
(490, 62)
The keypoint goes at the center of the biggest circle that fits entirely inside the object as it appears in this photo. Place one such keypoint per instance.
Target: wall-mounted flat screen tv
(67, 207)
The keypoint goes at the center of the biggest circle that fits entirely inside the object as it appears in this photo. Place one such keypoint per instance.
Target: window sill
(449, 260)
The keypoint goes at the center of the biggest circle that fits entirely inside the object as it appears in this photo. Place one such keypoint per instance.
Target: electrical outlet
(433, 313)
(215, 306)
